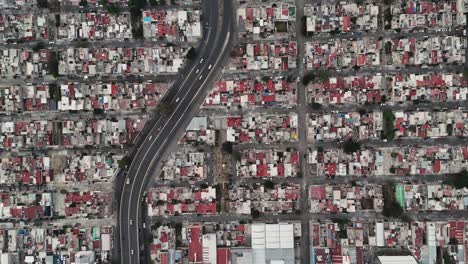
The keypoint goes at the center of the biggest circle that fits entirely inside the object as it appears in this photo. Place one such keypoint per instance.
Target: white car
(200, 77)
(128, 180)
(201, 61)
(131, 222)
(131, 252)
(197, 71)
(151, 137)
(209, 67)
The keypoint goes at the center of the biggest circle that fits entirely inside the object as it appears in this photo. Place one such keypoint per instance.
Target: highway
(184, 97)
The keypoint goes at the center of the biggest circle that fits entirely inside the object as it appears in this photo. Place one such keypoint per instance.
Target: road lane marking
(155, 125)
(173, 127)
(138, 169)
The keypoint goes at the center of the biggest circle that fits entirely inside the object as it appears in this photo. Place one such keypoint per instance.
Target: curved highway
(183, 97)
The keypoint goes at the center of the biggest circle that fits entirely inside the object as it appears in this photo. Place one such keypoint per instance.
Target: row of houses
(369, 125)
(431, 197)
(26, 26)
(24, 62)
(365, 52)
(279, 198)
(274, 19)
(434, 50)
(250, 93)
(185, 164)
(404, 160)
(84, 204)
(163, 201)
(98, 25)
(352, 241)
(268, 163)
(70, 133)
(56, 244)
(250, 128)
(169, 24)
(120, 61)
(27, 206)
(39, 205)
(172, 25)
(342, 17)
(58, 167)
(258, 128)
(431, 124)
(110, 96)
(279, 56)
(381, 88)
(423, 15)
(338, 126)
(345, 198)
(194, 238)
(77, 96)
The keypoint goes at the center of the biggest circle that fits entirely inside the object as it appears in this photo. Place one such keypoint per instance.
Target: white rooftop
(397, 260)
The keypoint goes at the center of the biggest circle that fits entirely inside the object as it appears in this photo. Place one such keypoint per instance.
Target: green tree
(465, 74)
(137, 32)
(83, 3)
(389, 126)
(316, 106)
(123, 163)
(40, 45)
(351, 146)
(323, 76)
(391, 206)
(227, 147)
(308, 77)
(113, 8)
(459, 180)
(269, 185)
(53, 65)
(98, 111)
(54, 92)
(388, 47)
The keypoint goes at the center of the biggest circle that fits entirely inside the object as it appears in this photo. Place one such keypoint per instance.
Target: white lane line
(153, 142)
(173, 127)
(138, 169)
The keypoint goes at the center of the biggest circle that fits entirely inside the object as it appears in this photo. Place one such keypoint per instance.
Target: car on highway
(201, 61)
(209, 67)
(132, 252)
(151, 137)
(128, 180)
(131, 222)
(197, 71)
(177, 100)
(200, 77)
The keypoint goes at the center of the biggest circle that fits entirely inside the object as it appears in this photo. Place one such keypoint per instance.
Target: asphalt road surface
(182, 96)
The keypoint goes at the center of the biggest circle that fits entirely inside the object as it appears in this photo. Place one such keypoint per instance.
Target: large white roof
(272, 235)
(397, 260)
